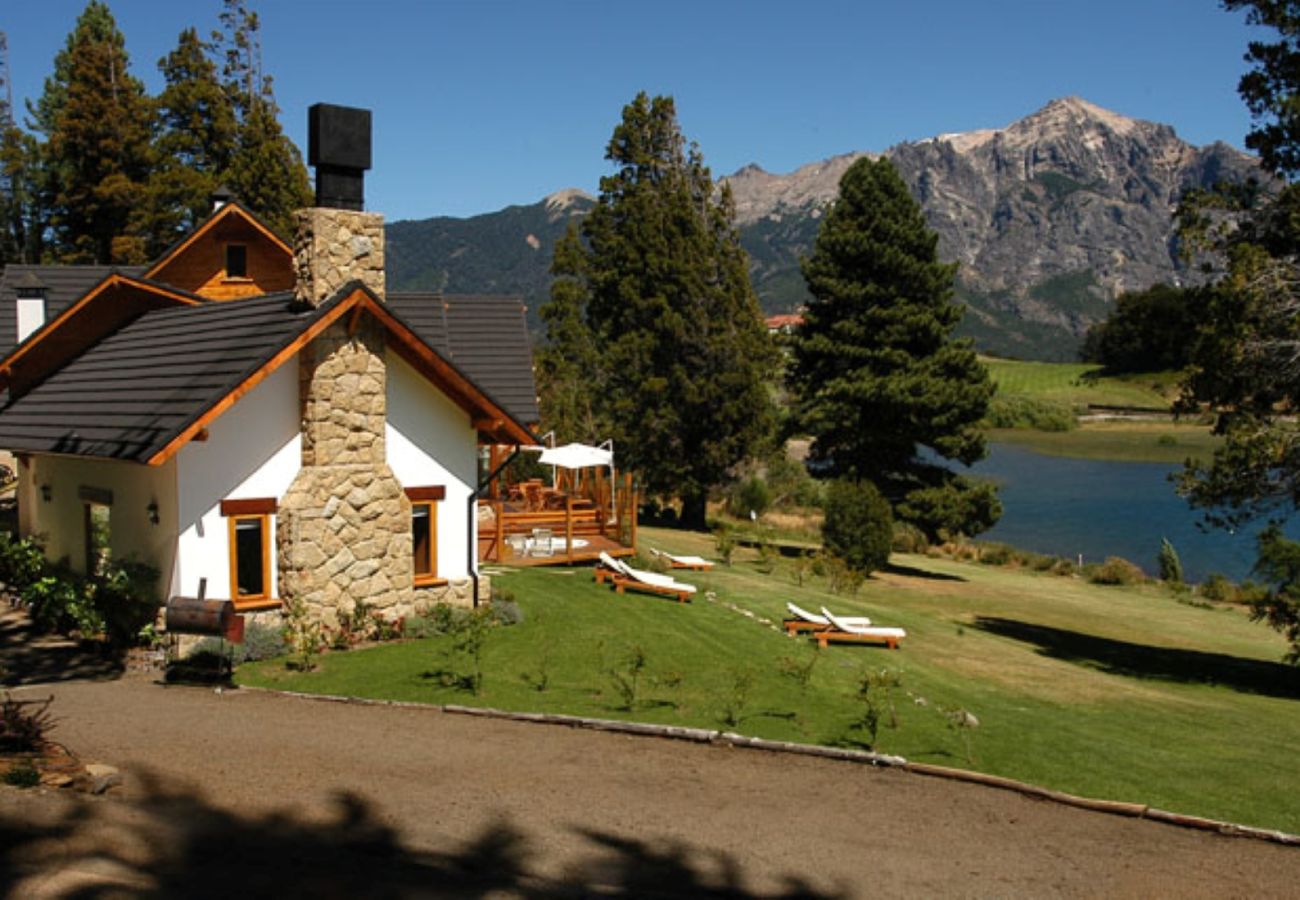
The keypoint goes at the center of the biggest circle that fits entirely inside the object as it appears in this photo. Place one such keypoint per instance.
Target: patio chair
(802, 620)
(697, 563)
(543, 542)
(844, 632)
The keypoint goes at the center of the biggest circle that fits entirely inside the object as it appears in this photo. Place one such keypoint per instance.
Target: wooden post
(632, 507)
(500, 509)
(568, 529)
(494, 460)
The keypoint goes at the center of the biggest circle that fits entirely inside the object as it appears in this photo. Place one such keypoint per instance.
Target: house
(263, 422)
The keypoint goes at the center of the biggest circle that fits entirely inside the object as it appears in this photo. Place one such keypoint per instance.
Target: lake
(1067, 507)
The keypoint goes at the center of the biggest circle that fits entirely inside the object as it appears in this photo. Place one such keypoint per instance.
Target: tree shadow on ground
(1253, 676)
(28, 656)
(171, 842)
(913, 572)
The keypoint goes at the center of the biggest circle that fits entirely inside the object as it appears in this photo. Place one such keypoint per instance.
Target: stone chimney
(344, 527)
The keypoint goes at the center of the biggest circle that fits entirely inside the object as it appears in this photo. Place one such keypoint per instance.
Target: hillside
(1049, 218)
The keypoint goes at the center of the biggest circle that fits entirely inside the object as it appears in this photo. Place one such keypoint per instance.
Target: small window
(249, 523)
(424, 532)
(236, 261)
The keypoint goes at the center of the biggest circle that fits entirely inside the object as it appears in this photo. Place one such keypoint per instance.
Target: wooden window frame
(260, 510)
(428, 497)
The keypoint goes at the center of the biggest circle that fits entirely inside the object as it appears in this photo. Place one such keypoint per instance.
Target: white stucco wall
(431, 441)
(253, 450)
(60, 521)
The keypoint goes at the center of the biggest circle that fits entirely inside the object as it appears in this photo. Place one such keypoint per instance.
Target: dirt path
(255, 794)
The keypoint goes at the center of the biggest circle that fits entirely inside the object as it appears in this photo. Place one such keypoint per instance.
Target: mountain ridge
(1049, 217)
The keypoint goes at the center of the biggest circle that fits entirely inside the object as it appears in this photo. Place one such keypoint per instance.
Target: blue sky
(478, 105)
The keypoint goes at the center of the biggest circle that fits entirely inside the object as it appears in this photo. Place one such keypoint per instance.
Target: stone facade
(334, 246)
(344, 532)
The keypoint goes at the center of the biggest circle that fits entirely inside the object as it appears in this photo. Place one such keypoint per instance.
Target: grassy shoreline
(1118, 441)
(1115, 692)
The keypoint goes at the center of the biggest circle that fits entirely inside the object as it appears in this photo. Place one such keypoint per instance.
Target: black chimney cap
(338, 145)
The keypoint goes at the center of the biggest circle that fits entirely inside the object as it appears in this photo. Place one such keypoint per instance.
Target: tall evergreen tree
(676, 373)
(567, 362)
(266, 171)
(20, 228)
(97, 123)
(196, 140)
(876, 372)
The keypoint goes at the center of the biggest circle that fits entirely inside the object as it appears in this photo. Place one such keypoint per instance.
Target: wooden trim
(408, 345)
(436, 492)
(256, 506)
(247, 604)
(232, 552)
(284, 355)
(220, 215)
(116, 279)
(429, 578)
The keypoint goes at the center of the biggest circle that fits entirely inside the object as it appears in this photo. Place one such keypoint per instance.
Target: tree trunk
(693, 512)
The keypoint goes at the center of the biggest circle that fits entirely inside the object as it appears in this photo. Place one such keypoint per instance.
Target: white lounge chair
(846, 632)
(805, 621)
(699, 563)
(625, 577)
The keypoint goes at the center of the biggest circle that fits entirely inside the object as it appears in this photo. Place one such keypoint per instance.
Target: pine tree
(195, 144)
(97, 123)
(679, 350)
(876, 372)
(567, 362)
(266, 172)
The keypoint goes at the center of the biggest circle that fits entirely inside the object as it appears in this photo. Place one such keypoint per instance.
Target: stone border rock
(732, 739)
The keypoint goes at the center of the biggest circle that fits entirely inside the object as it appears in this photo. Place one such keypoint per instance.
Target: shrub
(750, 495)
(21, 562)
(1026, 412)
(59, 602)
(859, 526)
(260, 642)
(24, 724)
(1218, 588)
(1116, 571)
(123, 594)
(506, 611)
(995, 554)
(725, 541)
(23, 775)
(1171, 567)
(909, 539)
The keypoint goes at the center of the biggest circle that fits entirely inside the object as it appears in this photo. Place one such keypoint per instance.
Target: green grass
(1081, 384)
(1162, 442)
(1122, 693)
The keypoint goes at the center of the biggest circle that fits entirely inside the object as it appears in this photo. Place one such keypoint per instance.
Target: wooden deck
(596, 544)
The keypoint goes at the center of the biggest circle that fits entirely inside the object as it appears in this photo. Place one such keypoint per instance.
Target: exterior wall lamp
(47, 492)
(153, 512)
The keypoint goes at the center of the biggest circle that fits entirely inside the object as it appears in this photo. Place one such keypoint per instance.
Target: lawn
(1081, 384)
(1121, 441)
(1121, 693)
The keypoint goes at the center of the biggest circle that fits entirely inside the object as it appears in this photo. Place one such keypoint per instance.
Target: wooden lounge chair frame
(676, 562)
(622, 583)
(831, 636)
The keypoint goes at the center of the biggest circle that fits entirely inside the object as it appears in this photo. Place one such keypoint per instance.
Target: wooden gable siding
(200, 266)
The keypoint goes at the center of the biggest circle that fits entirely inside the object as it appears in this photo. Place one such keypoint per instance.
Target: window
(236, 261)
(424, 532)
(249, 525)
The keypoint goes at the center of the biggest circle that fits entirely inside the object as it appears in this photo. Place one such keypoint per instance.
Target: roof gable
(197, 263)
(64, 285)
(146, 390)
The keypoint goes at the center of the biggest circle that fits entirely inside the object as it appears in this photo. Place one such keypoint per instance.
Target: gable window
(236, 261)
(424, 532)
(249, 532)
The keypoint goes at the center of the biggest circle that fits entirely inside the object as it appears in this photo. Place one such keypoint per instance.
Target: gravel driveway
(246, 793)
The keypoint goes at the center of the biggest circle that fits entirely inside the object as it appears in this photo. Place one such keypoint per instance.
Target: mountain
(1050, 218)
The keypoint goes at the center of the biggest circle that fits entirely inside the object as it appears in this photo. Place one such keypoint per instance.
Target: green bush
(996, 554)
(1017, 411)
(750, 495)
(859, 526)
(59, 601)
(260, 642)
(1218, 588)
(22, 561)
(909, 539)
(123, 595)
(1116, 571)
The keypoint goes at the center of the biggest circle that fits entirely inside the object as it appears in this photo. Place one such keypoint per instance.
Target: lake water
(1065, 507)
